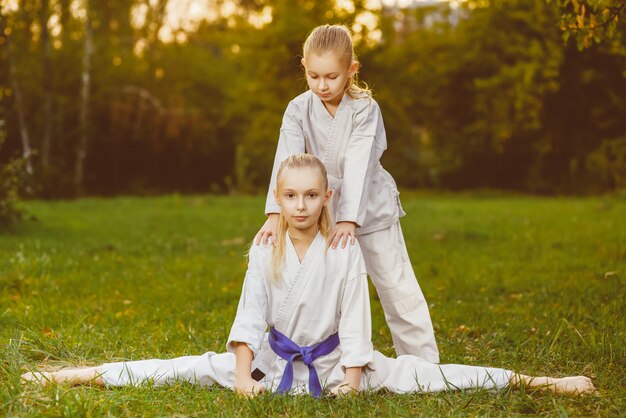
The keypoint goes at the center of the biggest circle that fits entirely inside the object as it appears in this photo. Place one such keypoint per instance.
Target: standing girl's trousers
(406, 311)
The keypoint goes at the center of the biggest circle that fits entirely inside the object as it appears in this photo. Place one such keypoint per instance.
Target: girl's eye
(333, 78)
(312, 195)
(289, 195)
(313, 76)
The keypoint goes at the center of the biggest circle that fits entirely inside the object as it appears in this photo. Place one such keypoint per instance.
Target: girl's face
(301, 196)
(327, 76)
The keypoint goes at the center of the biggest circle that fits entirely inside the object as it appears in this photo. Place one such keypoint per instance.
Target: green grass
(536, 285)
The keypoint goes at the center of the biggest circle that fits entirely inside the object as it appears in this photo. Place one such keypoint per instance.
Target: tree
(24, 127)
(13, 176)
(85, 102)
(47, 85)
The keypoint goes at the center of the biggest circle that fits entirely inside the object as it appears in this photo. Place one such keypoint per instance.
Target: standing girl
(341, 124)
(316, 305)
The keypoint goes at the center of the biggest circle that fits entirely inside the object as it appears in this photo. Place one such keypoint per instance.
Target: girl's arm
(290, 141)
(249, 325)
(251, 319)
(360, 160)
(355, 330)
(244, 383)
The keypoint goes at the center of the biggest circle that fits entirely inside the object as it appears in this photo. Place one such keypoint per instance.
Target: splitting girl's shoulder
(259, 255)
(349, 256)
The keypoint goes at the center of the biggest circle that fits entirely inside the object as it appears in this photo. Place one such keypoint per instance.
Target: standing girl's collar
(320, 110)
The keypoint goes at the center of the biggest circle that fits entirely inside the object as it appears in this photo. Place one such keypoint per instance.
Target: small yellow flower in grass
(463, 329)
(48, 332)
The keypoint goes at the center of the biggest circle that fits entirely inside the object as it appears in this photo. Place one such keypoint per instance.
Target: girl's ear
(327, 196)
(276, 197)
(302, 62)
(354, 68)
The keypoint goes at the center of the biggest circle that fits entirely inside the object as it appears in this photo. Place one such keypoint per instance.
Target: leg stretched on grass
(574, 385)
(86, 376)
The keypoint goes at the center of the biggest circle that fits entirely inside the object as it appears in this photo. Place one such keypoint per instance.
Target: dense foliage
(593, 21)
(111, 97)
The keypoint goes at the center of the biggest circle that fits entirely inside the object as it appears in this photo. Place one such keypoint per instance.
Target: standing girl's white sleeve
(290, 141)
(355, 324)
(251, 320)
(360, 160)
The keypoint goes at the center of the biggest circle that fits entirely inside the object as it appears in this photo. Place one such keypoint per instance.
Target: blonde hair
(337, 39)
(324, 222)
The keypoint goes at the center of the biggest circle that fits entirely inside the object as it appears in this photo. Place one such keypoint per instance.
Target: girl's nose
(323, 84)
(301, 203)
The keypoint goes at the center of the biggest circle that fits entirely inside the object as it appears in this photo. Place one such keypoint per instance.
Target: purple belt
(290, 351)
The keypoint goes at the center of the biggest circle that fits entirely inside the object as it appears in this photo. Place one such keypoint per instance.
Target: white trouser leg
(406, 311)
(410, 374)
(203, 370)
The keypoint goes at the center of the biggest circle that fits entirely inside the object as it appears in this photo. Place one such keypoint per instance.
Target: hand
(343, 232)
(247, 386)
(344, 388)
(268, 230)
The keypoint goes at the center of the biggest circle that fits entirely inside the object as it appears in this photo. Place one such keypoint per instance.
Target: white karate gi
(351, 145)
(324, 294)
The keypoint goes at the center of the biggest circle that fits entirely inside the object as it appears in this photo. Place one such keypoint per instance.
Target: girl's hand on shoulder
(249, 387)
(268, 230)
(343, 232)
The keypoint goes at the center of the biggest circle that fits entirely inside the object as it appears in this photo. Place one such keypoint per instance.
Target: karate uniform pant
(405, 374)
(406, 311)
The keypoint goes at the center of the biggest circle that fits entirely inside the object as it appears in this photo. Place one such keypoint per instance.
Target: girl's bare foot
(90, 375)
(575, 385)
(41, 378)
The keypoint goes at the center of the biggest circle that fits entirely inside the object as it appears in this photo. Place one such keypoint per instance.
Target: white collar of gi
(320, 110)
(310, 252)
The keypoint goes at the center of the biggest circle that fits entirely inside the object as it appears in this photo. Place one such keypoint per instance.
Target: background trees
(150, 96)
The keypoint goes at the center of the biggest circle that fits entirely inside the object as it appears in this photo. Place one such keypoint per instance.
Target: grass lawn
(536, 285)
